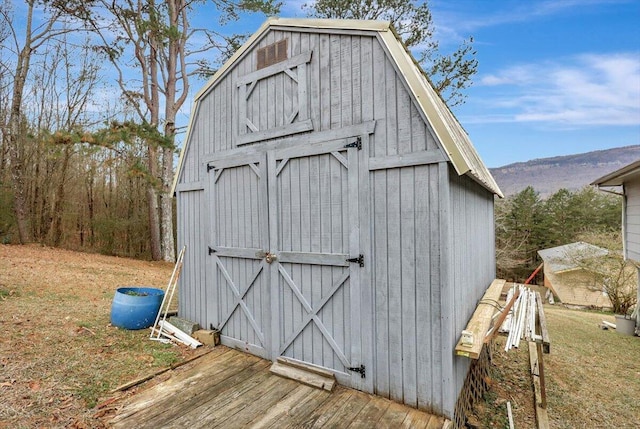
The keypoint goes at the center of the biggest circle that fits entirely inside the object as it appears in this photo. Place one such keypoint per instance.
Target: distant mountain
(573, 172)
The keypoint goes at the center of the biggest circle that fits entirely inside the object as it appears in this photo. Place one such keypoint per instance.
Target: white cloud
(584, 90)
(452, 25)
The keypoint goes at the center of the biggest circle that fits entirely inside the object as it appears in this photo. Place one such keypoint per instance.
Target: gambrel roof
(448, 131)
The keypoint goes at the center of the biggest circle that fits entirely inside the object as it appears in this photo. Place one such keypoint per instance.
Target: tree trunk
(56, 224)
(152, 205)
(16, 140)
(168, 246)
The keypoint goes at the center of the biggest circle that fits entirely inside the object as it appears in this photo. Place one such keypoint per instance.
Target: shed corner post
(447, 307)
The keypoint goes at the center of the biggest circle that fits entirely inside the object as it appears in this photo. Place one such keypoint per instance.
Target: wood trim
(275, 68)
(286, 142)
(190, 186)
(234, 252)
(406, 160)
(314, 258)
(295, 128)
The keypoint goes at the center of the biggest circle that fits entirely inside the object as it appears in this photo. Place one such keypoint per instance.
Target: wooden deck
(231, 389)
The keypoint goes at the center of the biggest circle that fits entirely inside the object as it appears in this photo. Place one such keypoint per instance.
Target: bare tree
(38, 29)
(155, 36)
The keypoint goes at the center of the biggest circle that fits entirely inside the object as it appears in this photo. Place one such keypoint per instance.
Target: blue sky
(554, 78)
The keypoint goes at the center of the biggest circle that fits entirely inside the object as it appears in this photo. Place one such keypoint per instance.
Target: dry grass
(58, 353)
(592, 376)
(59, 356)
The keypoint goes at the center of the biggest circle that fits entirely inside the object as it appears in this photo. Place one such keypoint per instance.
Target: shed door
(239, 223)
(313, 228)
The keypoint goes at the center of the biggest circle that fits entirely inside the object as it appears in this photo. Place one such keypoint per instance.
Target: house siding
(632, 220)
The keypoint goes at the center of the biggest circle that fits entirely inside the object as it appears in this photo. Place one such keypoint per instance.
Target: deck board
(231, 389)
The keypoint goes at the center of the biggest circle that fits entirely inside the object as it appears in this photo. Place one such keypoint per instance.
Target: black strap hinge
(357, 144)
(210, 167)
(211, 250)
(361, 369)
(359, 260)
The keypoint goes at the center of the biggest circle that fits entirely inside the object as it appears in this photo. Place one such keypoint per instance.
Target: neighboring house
(567, 273)
(335, 211)
(628, 178)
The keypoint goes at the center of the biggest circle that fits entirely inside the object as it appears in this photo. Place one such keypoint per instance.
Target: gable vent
(272, 54)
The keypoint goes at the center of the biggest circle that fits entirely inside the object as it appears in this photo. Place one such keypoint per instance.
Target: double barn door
(284, 224)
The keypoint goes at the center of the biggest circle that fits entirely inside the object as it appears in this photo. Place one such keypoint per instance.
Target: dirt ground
(60, 357)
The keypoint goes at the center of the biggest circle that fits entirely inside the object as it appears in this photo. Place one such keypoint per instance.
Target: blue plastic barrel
(135, 307)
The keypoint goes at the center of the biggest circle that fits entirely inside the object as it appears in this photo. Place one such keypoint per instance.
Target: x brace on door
(239, 296)
(312, 314)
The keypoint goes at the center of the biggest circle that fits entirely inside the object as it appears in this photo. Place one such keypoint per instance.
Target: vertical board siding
(473, 256)
(193, 289)
(406, 260)
(632, 219)
(235, 191)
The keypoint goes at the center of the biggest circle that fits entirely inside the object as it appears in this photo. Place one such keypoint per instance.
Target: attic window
(272, 54)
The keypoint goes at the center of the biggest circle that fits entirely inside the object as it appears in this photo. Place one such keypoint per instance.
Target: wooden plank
(311, 258)
(542, 320)
(193, 401)
(480, 321)
(394, 416)
(275, 68)
(161, 399)
(280, 408)
(305, 366)
(406, 160)
(408, 259)
(319, 417)
(343, 416)
(301, 411)
(257, 405)
(436, 422)
(275, 132)
(241, 392)
(416, 420)
(370, 415)
(292, 142)
(309, 378)
(233, 403)
(542, 418)
(190, 186)
(424, 310)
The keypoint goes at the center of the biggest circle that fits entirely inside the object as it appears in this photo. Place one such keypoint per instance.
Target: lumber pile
(524, 316)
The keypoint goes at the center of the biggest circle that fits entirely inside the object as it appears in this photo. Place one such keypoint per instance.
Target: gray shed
(628, 178)
(335, 211)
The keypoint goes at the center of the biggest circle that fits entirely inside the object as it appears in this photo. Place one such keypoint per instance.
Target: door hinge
(361, 369)
(359, 260)
(211, 250)
(357, 144)
(210, 167)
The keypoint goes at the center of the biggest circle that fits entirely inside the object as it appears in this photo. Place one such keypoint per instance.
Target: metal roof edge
(427, 98)
(616, 178)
